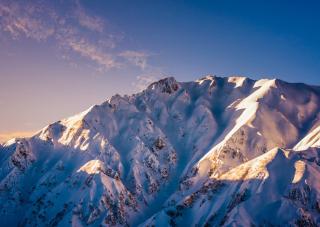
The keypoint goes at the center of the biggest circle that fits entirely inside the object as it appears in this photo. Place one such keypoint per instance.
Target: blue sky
(60, 57)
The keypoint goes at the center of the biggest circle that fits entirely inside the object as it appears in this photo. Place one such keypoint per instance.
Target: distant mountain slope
(216, 151)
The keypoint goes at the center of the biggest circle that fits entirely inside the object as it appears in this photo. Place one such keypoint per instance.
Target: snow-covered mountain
(217, 151)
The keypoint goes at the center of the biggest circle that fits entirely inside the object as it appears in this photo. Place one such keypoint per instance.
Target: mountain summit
(217, 151)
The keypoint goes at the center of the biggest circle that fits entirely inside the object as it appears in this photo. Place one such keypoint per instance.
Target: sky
(58, 58)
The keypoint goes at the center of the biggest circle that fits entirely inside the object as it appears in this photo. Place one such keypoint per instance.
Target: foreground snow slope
(217, 151)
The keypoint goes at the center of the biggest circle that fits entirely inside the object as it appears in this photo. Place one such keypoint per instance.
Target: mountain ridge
(148, 158)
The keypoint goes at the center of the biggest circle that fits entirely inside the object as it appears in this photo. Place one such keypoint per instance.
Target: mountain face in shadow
(213, 152)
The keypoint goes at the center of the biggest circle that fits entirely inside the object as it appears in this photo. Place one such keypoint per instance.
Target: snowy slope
(216, 151)
(277, 188)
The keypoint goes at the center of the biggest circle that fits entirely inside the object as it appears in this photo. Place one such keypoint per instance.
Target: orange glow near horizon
(4, 137)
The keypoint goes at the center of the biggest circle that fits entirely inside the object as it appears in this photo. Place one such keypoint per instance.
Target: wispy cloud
(78, 34)
(87, 49)
(144, 80)
(92, 23)
(138, 58)
(18, 22)
(74, 30)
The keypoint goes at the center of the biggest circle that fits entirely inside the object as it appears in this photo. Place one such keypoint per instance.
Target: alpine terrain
(214, 152)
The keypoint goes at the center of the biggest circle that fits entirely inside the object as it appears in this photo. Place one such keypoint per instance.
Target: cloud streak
(78, 35)
(19, 23)
(91, 52)
(92, 23)
(75, 31)
(137, 58)
(144, 80)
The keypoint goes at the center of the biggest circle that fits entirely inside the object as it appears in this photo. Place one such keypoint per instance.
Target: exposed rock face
(168, 85)
(217, 151)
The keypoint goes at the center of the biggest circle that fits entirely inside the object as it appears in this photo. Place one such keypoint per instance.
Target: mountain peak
(195, 153)
(238, 80)
(166, 85)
